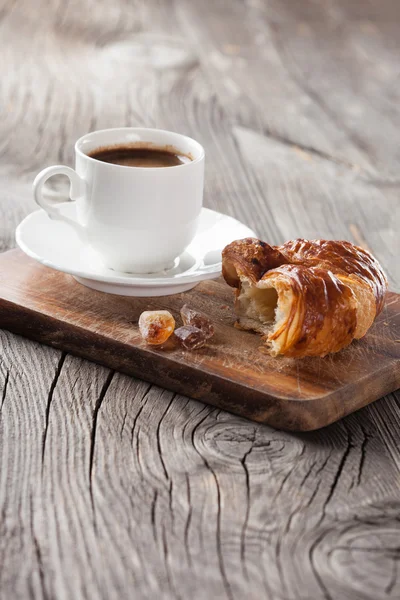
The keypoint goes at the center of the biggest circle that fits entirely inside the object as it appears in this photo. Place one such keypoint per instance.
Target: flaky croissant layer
(307, 297)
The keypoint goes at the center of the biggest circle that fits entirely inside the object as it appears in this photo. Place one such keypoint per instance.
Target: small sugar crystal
(156, 326)
(197, 319)
(190, 337)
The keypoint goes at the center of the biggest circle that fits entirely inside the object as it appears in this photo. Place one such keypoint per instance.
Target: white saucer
(56, 245)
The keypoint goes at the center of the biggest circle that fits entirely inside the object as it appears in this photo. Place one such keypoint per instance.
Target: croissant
(306, 297)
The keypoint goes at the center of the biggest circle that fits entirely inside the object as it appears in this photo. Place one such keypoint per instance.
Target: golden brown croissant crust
(307, 297)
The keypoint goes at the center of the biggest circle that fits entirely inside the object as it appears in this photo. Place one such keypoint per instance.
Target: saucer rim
(211, 272)
(136, 291)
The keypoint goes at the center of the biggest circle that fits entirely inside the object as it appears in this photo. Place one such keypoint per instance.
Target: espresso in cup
(141, 156)
(139, 220)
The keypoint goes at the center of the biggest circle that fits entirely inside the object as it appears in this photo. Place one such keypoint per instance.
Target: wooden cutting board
(232, 372)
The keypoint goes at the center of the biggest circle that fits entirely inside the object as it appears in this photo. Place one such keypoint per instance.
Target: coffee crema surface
(144, 157)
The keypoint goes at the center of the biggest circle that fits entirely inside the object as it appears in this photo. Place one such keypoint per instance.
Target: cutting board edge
(302, 411)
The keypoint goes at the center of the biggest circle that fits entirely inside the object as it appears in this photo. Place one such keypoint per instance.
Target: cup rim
(138, 129)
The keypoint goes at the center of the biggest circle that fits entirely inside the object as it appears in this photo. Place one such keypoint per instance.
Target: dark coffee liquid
(127, 156)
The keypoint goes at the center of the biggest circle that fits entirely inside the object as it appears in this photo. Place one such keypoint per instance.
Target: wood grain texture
(110, 488)
(231, 372)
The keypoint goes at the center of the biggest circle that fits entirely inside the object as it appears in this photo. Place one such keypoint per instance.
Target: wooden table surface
(112, 488)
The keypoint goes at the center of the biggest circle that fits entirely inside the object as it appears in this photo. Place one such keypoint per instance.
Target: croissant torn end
(264, 309)
(306, 298)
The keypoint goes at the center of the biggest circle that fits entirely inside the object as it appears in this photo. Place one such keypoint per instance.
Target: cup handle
(76, 190)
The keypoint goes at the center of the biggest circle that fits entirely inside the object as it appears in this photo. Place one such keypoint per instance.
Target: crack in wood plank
(188, 520)
(338, 473)
(97, 407)
(160, 453)
(247, 509)
(363, 453)
(136, 428)
(170, 502)
(4, 393)
(153, 513)
(49, 401)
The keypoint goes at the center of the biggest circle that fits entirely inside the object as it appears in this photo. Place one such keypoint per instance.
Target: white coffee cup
(138, 219)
